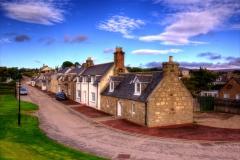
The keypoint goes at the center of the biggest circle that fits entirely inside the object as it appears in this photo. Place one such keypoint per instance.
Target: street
(68, 127)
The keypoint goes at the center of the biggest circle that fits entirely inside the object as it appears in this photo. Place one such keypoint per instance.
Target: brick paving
(186, 131)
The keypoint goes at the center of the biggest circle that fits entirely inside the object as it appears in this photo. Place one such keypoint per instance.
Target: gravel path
(68, 127)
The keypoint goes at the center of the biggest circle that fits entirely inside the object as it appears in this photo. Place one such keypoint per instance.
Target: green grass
(27, 141)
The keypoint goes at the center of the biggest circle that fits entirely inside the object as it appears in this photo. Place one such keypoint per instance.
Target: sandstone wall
(169, 104)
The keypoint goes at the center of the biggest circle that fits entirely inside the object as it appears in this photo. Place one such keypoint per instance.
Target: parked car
(23, 91)
(61, 96)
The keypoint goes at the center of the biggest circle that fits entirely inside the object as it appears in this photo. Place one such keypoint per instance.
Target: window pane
(138, 87)
(93, 97)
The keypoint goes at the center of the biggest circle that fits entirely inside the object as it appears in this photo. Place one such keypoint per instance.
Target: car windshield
(23, 89)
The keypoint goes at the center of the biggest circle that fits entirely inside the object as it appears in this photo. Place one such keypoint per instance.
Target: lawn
(28, 141)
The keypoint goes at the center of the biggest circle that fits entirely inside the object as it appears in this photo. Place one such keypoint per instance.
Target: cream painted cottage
(94, 79)
(151, 99)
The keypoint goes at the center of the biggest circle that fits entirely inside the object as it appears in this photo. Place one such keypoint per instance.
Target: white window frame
(78, 93)
(92, 79)
(108, 102)
(93, 97)
(226, 95)
(84, 79)
(136, 91)
(133, 108)
(237, 96)
(111, 87)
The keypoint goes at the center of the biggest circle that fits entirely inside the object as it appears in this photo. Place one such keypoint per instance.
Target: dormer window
(111, 86)
(92, 79)
(137, 88)
(85, 79)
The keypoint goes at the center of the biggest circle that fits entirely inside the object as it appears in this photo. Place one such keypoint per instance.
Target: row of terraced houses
(147, 98)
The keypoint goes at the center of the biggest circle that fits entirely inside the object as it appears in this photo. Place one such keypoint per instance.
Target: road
(68, 127)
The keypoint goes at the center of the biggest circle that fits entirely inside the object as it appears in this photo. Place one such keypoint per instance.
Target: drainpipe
(88, 93)
(146, 113)
(97, 96)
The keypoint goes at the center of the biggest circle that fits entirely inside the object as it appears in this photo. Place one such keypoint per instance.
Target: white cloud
(33, 12)
(109, 50)
(4, 40)
(155, 52)
(121, 24)
(192, 18)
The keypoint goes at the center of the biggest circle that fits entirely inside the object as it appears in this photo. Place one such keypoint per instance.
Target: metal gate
(206, 103)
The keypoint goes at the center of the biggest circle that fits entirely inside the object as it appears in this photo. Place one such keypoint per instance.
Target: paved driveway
(64, 125)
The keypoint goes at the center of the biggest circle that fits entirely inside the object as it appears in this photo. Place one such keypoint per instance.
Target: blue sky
(195, 32)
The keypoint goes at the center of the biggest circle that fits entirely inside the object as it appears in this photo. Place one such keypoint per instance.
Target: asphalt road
(68, 127)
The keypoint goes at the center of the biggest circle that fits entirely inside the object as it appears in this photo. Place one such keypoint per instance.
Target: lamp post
(19, 114)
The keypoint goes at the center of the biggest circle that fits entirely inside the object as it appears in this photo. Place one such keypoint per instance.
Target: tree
(236, 72)
(67, 64)
(76, 64)
(204, 78)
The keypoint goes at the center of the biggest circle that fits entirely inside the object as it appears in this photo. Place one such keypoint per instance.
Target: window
(133, 108)
(137, 88)
(85, 79)
(79, 94)
(238, 96)
(92, 79)
(69, 78)
(209, 94)
(93, 97)
(108, 101)
(69, 91)
(226, 95)
(111, 87)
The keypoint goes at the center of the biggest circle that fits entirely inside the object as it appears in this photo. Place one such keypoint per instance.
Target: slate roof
(237, 78)
(117, 78)
(64, 70)
(100, 69)
(126, 88)
(76, 70)
(144, 78)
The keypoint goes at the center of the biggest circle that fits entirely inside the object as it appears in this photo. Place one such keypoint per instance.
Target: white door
(59, 88)
(119, 108)
(84, 97)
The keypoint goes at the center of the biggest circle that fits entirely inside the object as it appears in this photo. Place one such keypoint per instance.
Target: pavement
(185, 131)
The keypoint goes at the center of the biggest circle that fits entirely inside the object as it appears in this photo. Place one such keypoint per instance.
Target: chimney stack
(170, 59)
(170, 68)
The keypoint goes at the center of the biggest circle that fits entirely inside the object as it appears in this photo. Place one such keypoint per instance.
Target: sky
(197, 33)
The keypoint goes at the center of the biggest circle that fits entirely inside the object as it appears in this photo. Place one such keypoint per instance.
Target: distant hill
(224, 70)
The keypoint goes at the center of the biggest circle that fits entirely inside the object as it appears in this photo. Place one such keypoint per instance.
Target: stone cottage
(151, 99)
(231, 89)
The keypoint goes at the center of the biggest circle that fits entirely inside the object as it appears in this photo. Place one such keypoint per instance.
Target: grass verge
(28, 141)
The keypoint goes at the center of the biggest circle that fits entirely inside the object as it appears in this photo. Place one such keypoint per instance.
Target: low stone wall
(227, 105)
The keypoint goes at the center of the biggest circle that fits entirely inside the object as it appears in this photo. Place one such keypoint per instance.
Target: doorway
(119, 108)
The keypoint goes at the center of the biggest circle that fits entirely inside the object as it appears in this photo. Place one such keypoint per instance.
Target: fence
(217, 104)
(227, 105)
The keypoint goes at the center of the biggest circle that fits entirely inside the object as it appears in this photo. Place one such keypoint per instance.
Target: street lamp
(19, 114)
